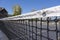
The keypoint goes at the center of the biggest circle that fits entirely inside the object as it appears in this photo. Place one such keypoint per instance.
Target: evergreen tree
(17, 10)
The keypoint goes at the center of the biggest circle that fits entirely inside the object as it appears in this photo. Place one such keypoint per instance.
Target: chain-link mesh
(34, 29)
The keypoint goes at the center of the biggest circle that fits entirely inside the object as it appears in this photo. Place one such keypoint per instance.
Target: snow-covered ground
(3, 36)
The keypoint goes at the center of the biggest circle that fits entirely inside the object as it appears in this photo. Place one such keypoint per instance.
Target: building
(3, 12)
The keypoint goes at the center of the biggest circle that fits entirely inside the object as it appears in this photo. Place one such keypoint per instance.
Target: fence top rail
(49, 12)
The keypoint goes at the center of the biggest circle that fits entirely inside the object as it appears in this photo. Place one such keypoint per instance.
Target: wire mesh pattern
(34, 29)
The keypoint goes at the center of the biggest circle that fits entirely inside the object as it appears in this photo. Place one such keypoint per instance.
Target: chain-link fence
(34, 29)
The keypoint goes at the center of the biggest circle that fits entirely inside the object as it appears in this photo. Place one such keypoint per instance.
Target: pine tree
(17, 10)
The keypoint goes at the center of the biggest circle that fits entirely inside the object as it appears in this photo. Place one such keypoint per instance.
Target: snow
(3, 36)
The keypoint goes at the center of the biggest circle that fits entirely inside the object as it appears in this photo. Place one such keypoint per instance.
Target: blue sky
(28, 5)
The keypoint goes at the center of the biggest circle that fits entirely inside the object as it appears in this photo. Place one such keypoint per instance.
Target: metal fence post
(59, 31)
(48, 28)
(36, 28)
(56, 29)
(41, 29)
(32, 29)
(26, 31)
(29, 28)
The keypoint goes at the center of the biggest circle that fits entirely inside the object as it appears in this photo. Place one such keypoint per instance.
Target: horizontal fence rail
(35, 29)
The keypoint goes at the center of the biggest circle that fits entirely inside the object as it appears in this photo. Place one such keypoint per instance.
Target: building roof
(1, 8)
